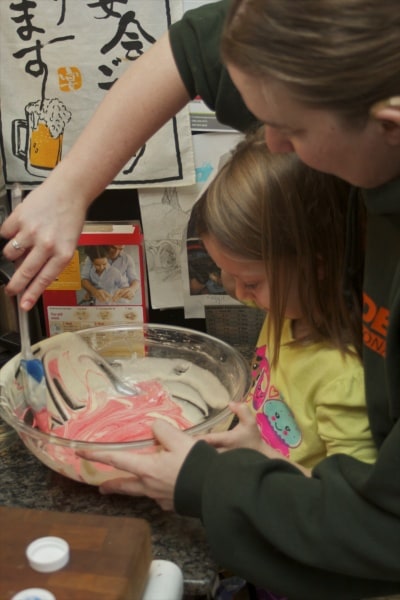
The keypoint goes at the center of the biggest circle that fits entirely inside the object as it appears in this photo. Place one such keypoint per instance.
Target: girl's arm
(246, 435)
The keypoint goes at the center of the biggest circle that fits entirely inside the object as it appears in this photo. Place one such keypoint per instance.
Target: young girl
(276, 229)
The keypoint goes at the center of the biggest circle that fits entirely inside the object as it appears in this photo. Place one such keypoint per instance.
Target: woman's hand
(153, 475)
(126, 293)
(43, 231)
(102, 296)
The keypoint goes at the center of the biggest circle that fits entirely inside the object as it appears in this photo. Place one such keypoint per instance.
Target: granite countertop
(26, 482)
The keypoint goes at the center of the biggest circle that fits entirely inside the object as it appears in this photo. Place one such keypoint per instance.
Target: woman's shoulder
(195, 44)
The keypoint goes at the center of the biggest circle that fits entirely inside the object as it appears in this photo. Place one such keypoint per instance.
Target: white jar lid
(34, 594)
(48, 554)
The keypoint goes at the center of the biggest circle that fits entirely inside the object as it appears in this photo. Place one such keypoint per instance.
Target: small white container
(165, 581)
(48, 554)
(34, 594)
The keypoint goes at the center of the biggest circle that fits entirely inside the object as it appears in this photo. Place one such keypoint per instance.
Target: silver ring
(16, 245)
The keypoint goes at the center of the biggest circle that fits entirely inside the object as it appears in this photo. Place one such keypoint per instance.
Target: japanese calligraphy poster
(58, 59)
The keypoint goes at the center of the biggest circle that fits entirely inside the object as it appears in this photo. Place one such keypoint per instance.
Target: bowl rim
(23, 428)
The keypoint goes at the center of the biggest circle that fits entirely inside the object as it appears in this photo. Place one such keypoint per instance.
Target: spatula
(31, 368)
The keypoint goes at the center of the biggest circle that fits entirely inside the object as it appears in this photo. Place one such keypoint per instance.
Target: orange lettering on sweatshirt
(376, 322)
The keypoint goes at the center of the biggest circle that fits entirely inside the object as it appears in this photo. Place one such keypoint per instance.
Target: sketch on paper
(165, 214)
(58, 61)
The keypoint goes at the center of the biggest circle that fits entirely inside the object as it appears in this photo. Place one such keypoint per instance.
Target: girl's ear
(387, 113)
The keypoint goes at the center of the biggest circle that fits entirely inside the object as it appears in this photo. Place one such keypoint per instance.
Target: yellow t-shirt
(312, 404)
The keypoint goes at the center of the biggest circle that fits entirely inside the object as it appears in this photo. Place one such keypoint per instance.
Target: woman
(325, 79)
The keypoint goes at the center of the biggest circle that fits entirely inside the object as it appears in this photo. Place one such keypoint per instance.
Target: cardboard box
(105, 282)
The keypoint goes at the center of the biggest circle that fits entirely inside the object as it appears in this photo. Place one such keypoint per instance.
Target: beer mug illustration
(37, 139)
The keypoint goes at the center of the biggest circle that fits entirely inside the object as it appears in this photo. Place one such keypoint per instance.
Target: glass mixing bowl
(201, 375)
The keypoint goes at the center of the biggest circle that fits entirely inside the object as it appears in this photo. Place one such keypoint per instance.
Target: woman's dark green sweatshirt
(337, 535)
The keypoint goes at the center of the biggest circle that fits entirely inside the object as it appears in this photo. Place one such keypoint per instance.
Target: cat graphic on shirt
(274, 418)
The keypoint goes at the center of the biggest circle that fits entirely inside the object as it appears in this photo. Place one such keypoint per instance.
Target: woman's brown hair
(272, 207)
(340, 55)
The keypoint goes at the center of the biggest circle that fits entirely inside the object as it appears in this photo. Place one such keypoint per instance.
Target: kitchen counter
(25, 482)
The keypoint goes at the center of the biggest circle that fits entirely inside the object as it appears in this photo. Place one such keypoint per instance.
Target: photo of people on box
(104, 283)
(108, 276)
(204, 275)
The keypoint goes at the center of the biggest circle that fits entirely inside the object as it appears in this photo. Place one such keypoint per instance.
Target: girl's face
(100, 265)
(363, 157)
(249, 278)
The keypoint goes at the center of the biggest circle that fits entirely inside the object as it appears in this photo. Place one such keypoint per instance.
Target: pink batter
(124, 419)
(105, 415)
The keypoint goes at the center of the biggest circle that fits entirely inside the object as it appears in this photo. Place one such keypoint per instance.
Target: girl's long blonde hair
(272, 207)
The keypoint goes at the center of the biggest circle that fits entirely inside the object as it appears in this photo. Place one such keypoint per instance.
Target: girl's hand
(245, 435)
(153, 475)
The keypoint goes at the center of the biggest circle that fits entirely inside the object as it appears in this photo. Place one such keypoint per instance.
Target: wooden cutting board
(110, 557)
